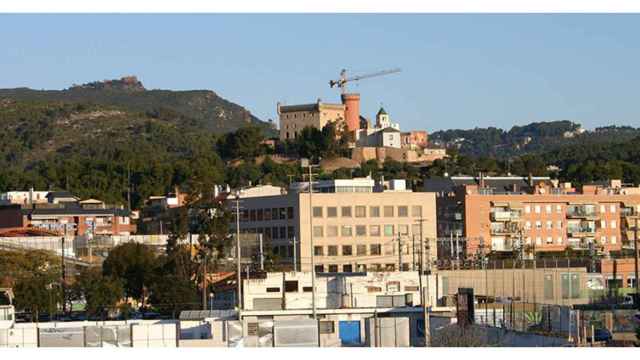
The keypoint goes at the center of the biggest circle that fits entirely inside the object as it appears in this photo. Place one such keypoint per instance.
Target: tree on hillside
(134, 264)
(244, 143)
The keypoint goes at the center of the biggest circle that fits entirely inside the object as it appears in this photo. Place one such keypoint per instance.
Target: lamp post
(211, 301)
(307, 163)
(238, 269)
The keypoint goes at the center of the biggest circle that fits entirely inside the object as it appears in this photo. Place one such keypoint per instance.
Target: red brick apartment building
(499, 211)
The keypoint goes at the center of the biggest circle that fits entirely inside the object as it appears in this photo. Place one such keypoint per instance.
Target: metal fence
(528, 317)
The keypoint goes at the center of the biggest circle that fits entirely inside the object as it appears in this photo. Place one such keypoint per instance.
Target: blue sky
(458, 71)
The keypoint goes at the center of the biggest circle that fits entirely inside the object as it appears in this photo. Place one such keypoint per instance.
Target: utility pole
(413, 252)
(261, 252)
(307, 163)
(423, 300)
(295, 255)
(238, 270)
(399, 252)
(63, 285)
(204, 283)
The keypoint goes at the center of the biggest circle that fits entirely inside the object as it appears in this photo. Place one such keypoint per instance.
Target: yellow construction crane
(342, 82)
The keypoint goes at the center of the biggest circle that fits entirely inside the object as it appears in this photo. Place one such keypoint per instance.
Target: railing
(581, 211)
(505, 216)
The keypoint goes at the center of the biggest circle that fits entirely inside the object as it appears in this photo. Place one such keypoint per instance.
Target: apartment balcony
(580, 244)
(581, 231)
(502, 245)
(504, 229)
(582, 211)
(504, 216)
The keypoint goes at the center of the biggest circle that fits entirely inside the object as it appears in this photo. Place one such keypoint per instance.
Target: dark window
(327, 327)
(347, 268)
(273, 289)
(283, 214)
(290, 232)
(267, 233)
(283, 232)
(291, 286)
(317, 251)
(332, 250)
(276, 250)
(333, 268)
(548, 287)
(290, 213)
(267, 214)
(260, 215)
(319, 268)
(347, 250)
(308, 288)
(375, 249)
(252, 215)
(274, 232)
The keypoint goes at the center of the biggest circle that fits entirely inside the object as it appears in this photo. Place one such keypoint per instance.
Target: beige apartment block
(345, 231)
(294, 118)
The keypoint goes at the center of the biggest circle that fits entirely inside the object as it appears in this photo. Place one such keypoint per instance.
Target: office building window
(374, 211)
(267, 214)
(570, 285)
(416, 211)
(361, 211)
(252, 215)
(388, 211)
(290, 213)
(333, 268)
(347, 250)
(361, 250)
(361, 230)
(260, 215)
(332, 212)
(375, 249)
(374, 230)
(346, 211)
(319, 268)
(548, 287)
(317, 211)
(290, 232)
(318, 251)
(403, 229)
(318, 231)
(403, 211)
(388, 230)
(347, 268)
(283, 214)
(332, 250)
(345, 230)
(332, 231)
(283, 232)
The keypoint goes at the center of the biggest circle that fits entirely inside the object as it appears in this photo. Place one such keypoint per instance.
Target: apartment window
(347, 250)
(361, 250)
(361, 211)
(252, 215)
(317, 211)
(273, 289)
(374, 211)
(283, 232)
(527, 225)
(332, 231)
(403, 211)
(549, 224)
(527, 209)
(388, 211)
(570, 285)
(537, 209)
(319, 268)
(548, 209)
(559, 209)
(267, 214)
(318, 251)
(375, 249)
(538, 240)
(559, 224)
(538, 225)
(332, 250)
(416, 211)
(290, 232)
(548, 287)
(390, 267)
(415, 229)
(361, 230)
(318, 231)
(603, 209)
(291, 286)
(361, 267)
(260, 215)
(267, 233)
(549, 240)
(346, 211)
(333, 268)
(559, 240)
(613, 209)
(403, 229)
(388, 230)
(332, 212)
(283, 214)
(347, 268)
(613, 224)
(345, 230)
(614, 239)
(603, 224)
(274, 232)
(374, 230)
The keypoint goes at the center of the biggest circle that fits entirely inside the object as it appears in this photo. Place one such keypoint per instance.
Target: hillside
(533, 138)
(203, 108)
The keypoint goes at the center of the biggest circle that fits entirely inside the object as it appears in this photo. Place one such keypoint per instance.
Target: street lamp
(238, 270)
(211, 301)
(307, 163)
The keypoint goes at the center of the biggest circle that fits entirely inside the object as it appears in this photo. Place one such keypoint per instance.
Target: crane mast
(342, 82)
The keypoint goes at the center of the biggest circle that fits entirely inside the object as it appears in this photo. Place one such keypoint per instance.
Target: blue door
(349, 332)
